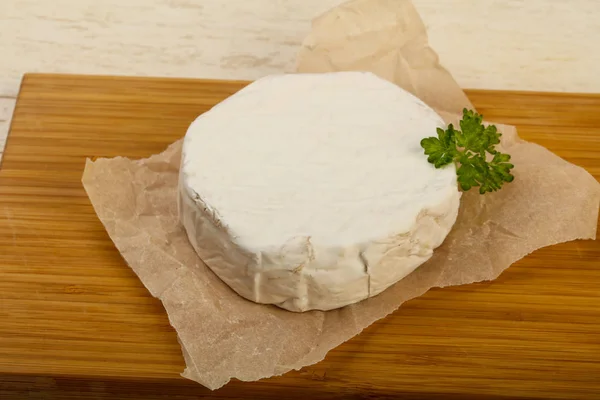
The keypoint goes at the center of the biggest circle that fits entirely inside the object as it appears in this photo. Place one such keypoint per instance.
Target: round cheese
(311, 191)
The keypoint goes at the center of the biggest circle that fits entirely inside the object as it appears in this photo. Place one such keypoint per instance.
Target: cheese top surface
(331, 157)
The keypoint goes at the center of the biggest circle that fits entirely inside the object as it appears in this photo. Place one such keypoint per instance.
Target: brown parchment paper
(224, 336)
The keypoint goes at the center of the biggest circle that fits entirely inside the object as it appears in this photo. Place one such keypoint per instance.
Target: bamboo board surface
(76, 322)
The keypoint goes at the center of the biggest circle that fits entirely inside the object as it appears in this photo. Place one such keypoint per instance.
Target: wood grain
(76, 322)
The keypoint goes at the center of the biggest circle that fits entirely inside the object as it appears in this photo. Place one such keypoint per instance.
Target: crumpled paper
(224, 336)
(388, 38)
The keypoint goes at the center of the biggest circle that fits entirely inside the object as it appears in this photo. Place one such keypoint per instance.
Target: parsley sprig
(469, 149)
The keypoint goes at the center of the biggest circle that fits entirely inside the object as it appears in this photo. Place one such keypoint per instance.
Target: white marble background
(543, 45)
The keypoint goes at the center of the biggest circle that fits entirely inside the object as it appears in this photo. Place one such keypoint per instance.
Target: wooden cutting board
(75, 322)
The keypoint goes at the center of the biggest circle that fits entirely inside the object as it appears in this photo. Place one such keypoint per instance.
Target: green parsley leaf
(441, 150)
(471, 148)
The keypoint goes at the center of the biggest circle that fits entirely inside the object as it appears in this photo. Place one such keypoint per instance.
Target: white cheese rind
(312, 191)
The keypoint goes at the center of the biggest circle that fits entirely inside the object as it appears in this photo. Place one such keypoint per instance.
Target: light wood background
(545, 45)
(75, 322)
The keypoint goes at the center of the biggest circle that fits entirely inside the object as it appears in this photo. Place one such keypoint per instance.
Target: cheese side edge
(299, 276)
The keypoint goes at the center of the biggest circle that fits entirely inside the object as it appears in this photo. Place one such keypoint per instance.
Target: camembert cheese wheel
(311, 191)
